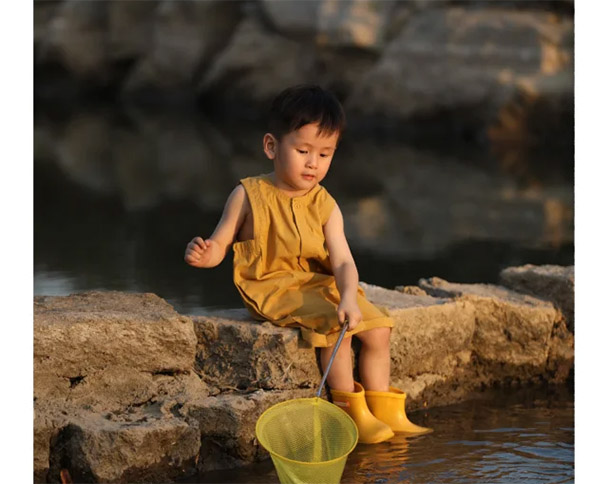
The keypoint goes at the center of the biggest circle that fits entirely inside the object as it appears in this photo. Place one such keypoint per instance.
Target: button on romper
(284, 273)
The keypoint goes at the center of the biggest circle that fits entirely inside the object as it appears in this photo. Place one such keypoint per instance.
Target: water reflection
(119, 192)
(503, 438)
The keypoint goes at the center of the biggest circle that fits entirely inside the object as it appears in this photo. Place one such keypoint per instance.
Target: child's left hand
(349, 309)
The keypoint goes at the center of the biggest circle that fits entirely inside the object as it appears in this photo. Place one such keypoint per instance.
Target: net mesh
(308, 439)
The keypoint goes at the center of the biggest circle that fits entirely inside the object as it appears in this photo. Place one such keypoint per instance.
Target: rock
(233, 352)
(350, 25)
(360, 25)
(81, 333)
(118, 387)
(186, 37)
(256, 65)
(128, 390)
(549, 282)
(466, 61)
(411, 290)
(74, 38)
(47, 425)
(292, 19)
(431, 345)
(147, 449)
(512, 331)
(130, 29)
(43, 15)
(227, 424)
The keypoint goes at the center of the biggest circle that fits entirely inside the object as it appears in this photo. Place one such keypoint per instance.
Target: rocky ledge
(128, 390)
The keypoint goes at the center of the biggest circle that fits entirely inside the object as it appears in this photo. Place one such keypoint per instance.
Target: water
(118, 194)
(508, 437)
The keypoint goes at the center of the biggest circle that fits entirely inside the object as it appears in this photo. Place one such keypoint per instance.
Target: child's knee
(376, 337)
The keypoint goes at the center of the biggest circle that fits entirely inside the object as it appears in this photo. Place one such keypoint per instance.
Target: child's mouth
(308, 177)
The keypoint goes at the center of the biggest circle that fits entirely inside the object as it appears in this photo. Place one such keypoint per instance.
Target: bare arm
(209, 253)
(343, 267)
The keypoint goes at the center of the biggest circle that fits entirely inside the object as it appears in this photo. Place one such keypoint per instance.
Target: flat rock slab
(511, 328)
(236, 353)
(78, 334)
(111, 412)
(431, 335)
(550, 282)
(151, 448)
(227, 425)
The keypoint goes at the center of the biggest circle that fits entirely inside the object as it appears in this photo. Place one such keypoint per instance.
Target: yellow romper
(284, 274)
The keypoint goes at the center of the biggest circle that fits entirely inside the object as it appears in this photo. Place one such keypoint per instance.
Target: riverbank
(128, 390)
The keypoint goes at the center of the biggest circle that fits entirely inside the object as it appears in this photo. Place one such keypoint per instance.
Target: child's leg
(375, 359)
(340, 375)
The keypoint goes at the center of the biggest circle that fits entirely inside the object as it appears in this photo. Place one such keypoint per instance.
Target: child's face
(301, 158)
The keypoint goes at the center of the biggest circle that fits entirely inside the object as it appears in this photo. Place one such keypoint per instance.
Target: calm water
(525, 436)
(118, 194)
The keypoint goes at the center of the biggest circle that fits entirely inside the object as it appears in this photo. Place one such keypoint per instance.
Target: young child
(293, 265)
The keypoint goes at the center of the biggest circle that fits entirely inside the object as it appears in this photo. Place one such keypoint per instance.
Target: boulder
(236, 353)
(81, 333)
(429, 332)
(466, 61)
(48, 422)
(292, 19)
(256, 65)
(141, 447)
(354, 25)
(128, 390)
(104, 357)
(431, 346)
(74, 38)
(513, 331)
(186, 36)
(549, 282)
(227, 425)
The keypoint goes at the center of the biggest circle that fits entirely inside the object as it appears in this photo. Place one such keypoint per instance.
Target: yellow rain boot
(371, 430)
(390, 408)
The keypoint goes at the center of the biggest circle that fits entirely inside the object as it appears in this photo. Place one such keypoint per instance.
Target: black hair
(305, 104)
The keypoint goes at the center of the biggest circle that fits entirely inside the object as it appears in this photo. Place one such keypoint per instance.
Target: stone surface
(504, 71)
(553, 283)
(513, 331)
(74, 38)
(235, 353)
(227, 424)
(186, 36)
(109, 412)
(256, 65)
(109, 354)
(431, 344)
(48, 422)
(78, 334)
(458, 57)
(152, 448)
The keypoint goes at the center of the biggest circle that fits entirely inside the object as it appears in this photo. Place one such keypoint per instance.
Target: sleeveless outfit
(284, 274)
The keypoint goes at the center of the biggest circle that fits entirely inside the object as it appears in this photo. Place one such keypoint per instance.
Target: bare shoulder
(238, 201)
(235, 212)
(335, 217)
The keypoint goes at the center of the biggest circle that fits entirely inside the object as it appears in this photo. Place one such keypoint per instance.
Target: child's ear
(270, 146)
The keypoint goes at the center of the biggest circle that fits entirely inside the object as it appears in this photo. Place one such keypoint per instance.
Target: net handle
(331, 359)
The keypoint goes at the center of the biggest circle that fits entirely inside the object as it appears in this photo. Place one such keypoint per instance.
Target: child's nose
(311, 161)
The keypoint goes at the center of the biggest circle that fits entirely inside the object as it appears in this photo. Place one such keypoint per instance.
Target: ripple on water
(498, 440)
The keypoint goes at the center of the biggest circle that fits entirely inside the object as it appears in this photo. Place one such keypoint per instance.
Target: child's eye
(323, 155)
(302, 151)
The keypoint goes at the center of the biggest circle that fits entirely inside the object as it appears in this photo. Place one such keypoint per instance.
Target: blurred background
(458, 160)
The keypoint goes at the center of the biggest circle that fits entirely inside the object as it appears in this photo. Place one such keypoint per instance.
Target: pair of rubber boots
(378, 415)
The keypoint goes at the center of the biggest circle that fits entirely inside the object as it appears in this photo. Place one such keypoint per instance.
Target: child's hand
(349, 309)
(198, 252)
